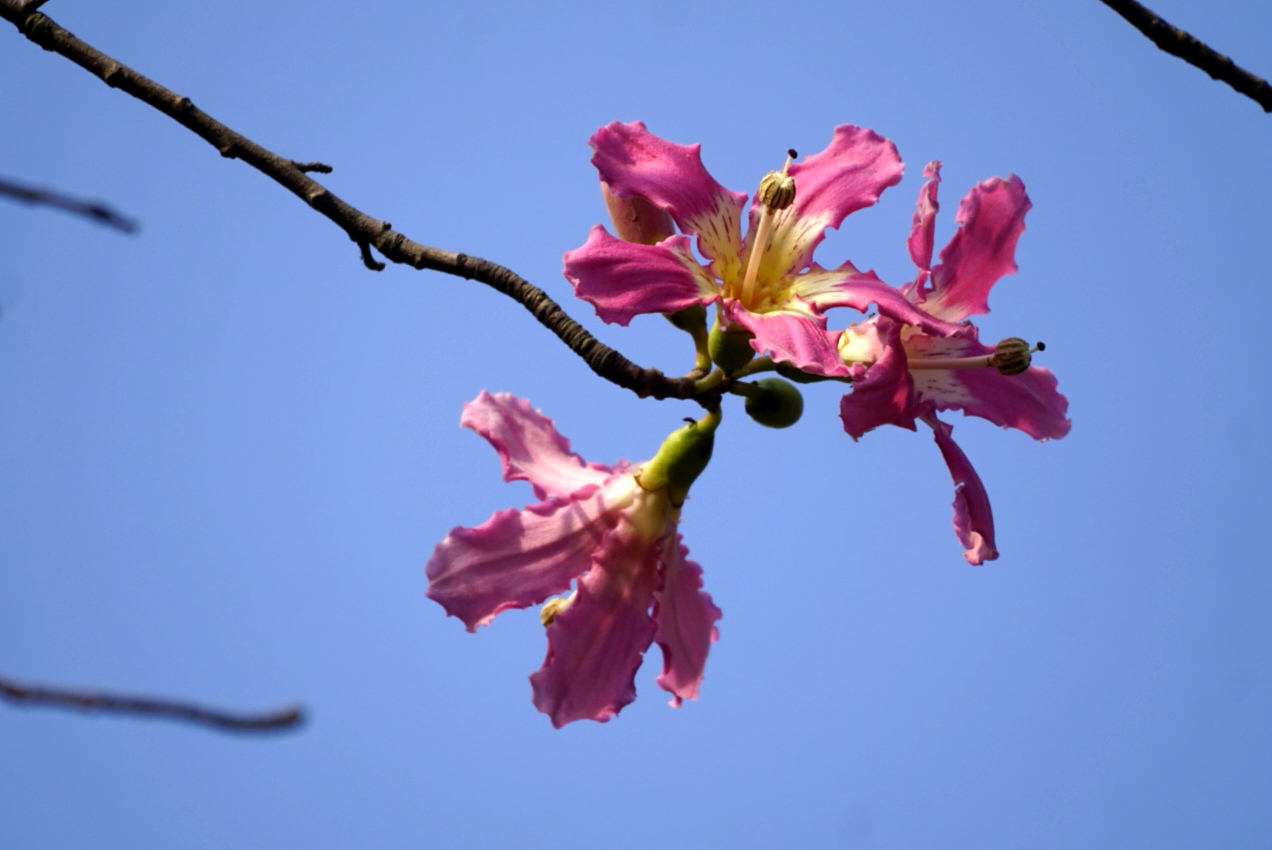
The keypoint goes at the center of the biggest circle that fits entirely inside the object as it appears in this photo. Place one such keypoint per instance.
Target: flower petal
(921, 230)
(595, 645)
(848, 175)
(884, 394)
(973, 518)
(789, 337)
(686, 619)
(982, 250)
(1029, 401)
(635, 162)
(530, 446)
(520, 558)
(847, 287)
(624, 279)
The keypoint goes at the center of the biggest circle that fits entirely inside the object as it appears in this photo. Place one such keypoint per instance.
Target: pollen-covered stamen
(777, 192)
(548, 613)
(1011, 356)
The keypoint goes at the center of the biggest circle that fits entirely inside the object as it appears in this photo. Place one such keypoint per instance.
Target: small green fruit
(730, 349)
(777, 404)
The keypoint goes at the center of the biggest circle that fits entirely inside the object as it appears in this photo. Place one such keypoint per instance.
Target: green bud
(681, 458)
(775, 403)
(730, 349)
(794, 373)
(689, 319)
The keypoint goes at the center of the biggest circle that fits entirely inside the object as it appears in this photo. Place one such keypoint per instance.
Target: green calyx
(730, 347)
(681, 458)
(774, 403)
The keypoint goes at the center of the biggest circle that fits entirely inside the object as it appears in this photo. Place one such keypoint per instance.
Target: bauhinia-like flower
(767, 284)
(611, 530)
(902, 373)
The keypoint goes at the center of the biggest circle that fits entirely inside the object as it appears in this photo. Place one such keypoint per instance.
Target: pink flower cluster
(611, 532)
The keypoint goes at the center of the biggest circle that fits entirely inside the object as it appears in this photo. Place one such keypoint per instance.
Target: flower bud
(776, 404)
(1012, 356)
(636, 219)
(730, 348)
(681, 458)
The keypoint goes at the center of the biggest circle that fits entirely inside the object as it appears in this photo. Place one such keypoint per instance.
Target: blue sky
(227, 449)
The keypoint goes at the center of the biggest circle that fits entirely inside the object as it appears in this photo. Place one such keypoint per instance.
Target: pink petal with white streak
(923, 225)
(530, 446)
(624, 279)
(884, 394)
(847, 287)
(789, 337)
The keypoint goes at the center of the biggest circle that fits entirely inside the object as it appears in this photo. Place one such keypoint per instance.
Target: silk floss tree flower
(902, 373)
(770, 294)
(609, 530)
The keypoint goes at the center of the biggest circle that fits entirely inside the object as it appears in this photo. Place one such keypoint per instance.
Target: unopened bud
(636, 219)
(1013, 355)
(777, 190)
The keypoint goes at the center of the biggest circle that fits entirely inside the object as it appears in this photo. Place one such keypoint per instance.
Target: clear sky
(227, 449)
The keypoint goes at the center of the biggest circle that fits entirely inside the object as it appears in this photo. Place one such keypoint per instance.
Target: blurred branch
(1179, 43)
(26, 695)
(98, 212)
(364, 230)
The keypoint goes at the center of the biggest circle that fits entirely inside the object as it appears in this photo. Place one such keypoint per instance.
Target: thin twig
(94, 210)
(320, 167)
(289, 717)
(361, 228)
(1195, 52)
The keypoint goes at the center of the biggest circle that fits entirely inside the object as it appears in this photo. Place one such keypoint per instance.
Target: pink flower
(781, 295)
(614, 530)
(901, 372)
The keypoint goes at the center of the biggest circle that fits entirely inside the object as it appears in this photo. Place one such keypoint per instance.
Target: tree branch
(360, 227)
(98, 212)
(1179, 43)
(286, 718)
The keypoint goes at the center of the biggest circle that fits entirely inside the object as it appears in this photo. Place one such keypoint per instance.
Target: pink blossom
(782, 299)
(599, 527)
(901, 372)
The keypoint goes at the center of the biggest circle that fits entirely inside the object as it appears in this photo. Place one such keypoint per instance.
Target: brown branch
(1179, 43)
(94, 210)
(282, 719)
(361, 228)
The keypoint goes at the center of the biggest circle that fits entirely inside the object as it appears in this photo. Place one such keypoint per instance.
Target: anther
(1013, 355)
(548, 613)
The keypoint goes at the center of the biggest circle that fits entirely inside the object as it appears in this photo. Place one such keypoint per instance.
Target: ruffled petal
(921, 230)
(847, 287)
(530, 446)
(686, 619)
(595, 645)
(973, 518)
(848, 175)
(635, 162)
(789, 337)
(624, 279)
(1029, 401)
(884, 394)
(520, 558)
(982, 250)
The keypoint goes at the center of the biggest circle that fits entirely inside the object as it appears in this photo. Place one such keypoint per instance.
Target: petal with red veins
(595, 645)
(635, 162)
(624, 279)
(992, 217)
(1029, 401)
(520, 558)
(973, 518)
(530, 446)
(686, 619)
(847, 287)
(789, 337)
(884, 395)
(848, 175)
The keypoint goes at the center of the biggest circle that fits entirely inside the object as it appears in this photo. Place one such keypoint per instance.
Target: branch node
(110, 77)
(229, 149)
(306, 167)
(184, 104)
(369, 261)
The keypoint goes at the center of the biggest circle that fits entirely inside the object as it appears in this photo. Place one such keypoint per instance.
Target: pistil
(1011, 357)
(777, 192)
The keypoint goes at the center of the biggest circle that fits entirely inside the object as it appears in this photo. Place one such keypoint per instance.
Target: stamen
(548, 613)
(777, 192)
(1011, 356)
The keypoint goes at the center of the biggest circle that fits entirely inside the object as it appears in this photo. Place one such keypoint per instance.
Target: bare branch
(320, 167)
(94, 210)
(1179, 43)
(289, 717)
(361, 228)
